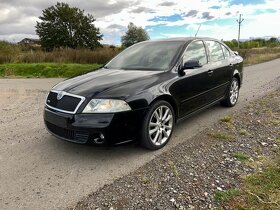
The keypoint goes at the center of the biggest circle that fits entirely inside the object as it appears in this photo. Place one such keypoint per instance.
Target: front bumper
(90, 128)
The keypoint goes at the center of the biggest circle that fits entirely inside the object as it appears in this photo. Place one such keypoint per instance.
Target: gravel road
(39, 171)
(203, 172)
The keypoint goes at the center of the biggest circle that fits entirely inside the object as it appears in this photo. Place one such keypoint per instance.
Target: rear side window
(226, 51)
(195, 52)
(215, 51)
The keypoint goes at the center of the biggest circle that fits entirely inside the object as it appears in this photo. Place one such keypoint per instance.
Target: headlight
(106, 106)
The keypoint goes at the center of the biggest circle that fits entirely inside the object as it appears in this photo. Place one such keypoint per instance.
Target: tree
(65, 26)
(273, 40)
(133, 35)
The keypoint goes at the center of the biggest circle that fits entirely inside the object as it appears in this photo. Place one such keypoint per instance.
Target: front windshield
(158, 56)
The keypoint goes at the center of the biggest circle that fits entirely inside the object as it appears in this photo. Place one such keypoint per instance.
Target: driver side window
(195, 52)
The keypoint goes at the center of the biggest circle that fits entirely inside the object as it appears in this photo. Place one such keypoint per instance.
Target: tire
(158, 125)
(232, 94)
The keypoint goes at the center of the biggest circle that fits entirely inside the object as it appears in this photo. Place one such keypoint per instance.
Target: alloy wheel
(160, 125)
(234, 92)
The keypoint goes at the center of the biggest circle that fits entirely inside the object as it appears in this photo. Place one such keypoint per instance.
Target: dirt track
(40, 172)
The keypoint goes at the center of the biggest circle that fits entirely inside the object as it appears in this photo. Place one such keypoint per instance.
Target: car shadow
(92, 151)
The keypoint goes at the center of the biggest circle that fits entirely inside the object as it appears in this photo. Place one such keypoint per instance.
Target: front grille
(67, 103)
(72, 135)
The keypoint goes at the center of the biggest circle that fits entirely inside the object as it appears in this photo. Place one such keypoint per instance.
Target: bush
(45, 69)
(13, 53)
(259, 55)
(8, 52)
(100, 56)
(256, 43)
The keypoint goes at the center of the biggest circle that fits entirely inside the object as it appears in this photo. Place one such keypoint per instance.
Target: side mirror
(191, 65)
(236, 52)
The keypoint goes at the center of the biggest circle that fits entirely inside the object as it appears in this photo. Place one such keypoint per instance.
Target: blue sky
(162, 19)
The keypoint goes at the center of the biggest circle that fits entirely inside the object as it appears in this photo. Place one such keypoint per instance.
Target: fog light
(102, 136)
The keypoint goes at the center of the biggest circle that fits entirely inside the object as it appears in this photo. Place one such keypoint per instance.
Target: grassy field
(12, 53)
(259, 55)
(45, 70)
(60, 67)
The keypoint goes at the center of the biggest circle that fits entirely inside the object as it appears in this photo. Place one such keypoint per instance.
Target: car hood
(94, 83)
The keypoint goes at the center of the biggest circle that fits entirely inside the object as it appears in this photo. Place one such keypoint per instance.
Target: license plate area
(58, 119)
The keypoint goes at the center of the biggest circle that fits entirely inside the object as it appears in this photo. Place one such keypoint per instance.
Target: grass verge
(259, 191)
(221, 136)
(226, 196)
(45, 70)
(259, 55)
(226, 119)
(241, 156)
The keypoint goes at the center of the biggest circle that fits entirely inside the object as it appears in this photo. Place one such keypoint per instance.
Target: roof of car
(184, 39)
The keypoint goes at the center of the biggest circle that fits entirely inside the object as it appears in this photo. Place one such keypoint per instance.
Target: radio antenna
(198, 30)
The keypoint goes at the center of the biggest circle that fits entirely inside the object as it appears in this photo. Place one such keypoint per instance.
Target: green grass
(226, 119)
(259, 55)
(259, 191)
(226, 196)
(260, 58)
(262, 190)
(241, 156)
(173, 168)
(220, 136)
(275, 122)
(46, 70)
(243, 132)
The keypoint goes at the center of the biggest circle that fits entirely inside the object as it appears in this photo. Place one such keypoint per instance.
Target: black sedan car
(141, 93)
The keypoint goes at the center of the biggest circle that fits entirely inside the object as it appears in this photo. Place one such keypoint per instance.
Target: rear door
(220, 67)
(229, 61)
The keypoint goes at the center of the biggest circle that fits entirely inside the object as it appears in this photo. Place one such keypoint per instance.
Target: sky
(161, 19)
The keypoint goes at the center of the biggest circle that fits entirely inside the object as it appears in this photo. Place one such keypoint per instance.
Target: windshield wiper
(143, 68)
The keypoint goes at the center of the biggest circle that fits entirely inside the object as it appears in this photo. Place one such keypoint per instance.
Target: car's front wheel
(158, 125)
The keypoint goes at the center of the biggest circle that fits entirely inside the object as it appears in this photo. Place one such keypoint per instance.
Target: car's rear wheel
(158, 125)
(232, 94)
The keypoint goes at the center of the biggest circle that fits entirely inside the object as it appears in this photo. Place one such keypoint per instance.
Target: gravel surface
(189, 175)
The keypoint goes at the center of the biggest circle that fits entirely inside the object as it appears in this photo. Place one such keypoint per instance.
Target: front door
(192, 88)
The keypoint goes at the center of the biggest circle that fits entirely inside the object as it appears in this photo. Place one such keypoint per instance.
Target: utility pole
(239, 27)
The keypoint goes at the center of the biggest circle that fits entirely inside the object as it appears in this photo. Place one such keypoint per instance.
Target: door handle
(210, 72)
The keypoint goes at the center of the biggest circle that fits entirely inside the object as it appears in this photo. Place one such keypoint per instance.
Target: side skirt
(199, 110)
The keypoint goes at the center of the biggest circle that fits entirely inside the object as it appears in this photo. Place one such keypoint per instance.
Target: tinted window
(195, 51)
(147, 56)
(226, 51)
(215, 51)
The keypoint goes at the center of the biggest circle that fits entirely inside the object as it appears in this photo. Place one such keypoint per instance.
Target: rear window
(215, 51)
(226, 51)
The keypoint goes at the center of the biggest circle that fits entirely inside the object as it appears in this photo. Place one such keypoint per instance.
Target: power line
(239, 28)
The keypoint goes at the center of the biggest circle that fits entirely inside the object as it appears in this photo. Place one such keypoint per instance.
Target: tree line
(62, 26)
(254, 43)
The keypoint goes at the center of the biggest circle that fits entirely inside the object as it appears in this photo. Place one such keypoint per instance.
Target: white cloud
(263, 24)
(18, 21)
(251, 26)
